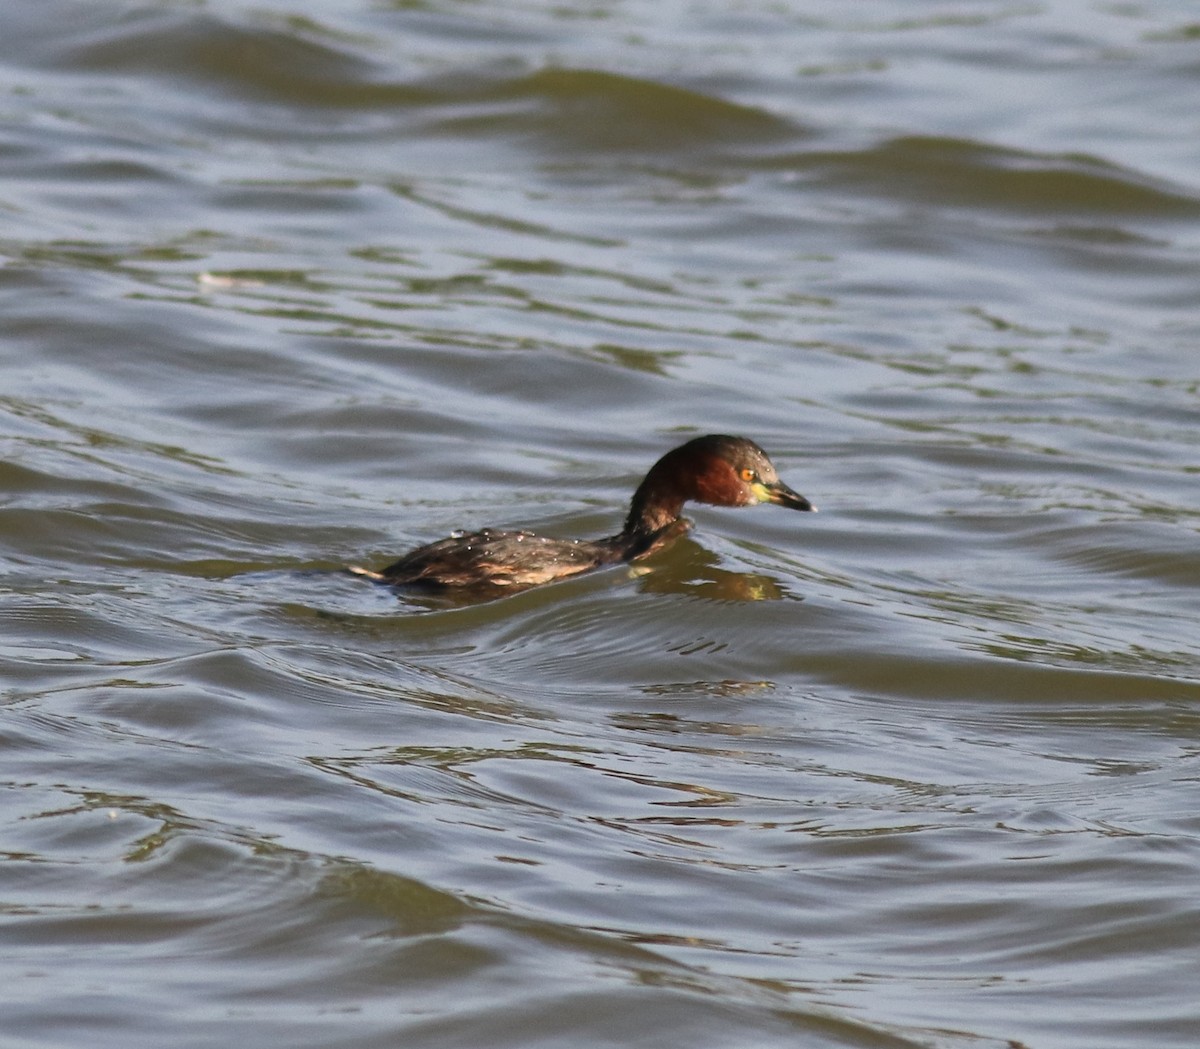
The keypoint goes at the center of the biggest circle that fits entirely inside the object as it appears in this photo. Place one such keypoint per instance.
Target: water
(286, 287)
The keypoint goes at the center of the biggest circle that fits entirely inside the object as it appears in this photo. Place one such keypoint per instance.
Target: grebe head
(732, 471)
(716, 469)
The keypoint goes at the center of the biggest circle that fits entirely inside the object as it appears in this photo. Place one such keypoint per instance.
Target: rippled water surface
(288, 286)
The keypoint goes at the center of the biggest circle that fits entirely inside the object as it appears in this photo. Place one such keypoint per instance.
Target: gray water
(289, 286)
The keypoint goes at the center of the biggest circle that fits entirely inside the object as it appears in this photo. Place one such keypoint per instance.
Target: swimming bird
(716, 469)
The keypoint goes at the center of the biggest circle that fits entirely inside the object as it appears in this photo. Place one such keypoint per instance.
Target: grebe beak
(781, 495)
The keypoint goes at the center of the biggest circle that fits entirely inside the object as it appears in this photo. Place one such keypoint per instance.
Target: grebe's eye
(748, 475)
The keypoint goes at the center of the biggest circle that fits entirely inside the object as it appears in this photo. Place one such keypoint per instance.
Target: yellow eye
(747, 475)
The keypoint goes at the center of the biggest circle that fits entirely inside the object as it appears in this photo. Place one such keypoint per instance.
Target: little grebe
(719, 470)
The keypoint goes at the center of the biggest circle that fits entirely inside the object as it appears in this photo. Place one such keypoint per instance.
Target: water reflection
(694, 570)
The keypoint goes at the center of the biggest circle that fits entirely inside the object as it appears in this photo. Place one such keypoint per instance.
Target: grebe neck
(656, 504)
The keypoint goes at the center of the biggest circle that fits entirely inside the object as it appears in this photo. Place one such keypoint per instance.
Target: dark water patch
(1171, 560)
(602, 111)
(37, 625)
(1181, 34)
(992, 679)
(296, 63)
(964, 174)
